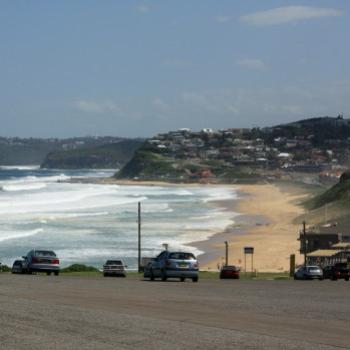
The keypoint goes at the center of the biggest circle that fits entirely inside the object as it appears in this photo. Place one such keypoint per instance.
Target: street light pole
(304, 242)
(226, 253)
(139, 237)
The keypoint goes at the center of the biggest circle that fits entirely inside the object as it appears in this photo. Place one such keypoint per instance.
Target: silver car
(308, 273)
(41, 261)
(114, 268)
(167, 264)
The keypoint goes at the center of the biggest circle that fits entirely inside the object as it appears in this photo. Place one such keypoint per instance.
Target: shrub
(80, 268)
(4, 268)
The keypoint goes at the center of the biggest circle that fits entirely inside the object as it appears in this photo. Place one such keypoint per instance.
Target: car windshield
(181, 256)
(314, 268)
(114, 262)
(44, 253)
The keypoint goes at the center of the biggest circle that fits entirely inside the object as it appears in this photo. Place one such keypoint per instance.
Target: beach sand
(266, 224)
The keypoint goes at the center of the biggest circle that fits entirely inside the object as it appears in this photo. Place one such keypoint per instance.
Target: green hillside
(338, 193)
(332, 205)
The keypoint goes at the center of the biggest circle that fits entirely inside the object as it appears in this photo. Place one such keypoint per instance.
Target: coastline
(262, 217)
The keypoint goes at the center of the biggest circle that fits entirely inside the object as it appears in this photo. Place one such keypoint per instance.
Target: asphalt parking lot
(64, 312)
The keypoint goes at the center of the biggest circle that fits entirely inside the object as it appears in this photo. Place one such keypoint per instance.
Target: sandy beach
(266, 223)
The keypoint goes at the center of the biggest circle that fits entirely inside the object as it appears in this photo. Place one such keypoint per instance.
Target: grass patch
(203, 275)
(80, 268)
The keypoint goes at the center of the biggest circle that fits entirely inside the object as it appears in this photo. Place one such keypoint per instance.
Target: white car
(114, 268)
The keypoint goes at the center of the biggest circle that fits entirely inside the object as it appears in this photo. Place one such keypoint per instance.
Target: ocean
(89, 223)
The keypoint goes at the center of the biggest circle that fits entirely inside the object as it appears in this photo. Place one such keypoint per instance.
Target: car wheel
(182, 279)
(56, 273)
(347, 279)
(195, 279)
(48, 273)
(163, 276)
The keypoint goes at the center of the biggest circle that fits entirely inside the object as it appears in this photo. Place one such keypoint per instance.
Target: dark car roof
(230, 267)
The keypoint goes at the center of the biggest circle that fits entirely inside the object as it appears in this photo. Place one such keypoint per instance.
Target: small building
(324, 257)
(316, 241)
(324, 237)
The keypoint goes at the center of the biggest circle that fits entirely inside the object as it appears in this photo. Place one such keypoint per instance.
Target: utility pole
(226, 253)
(304, 242)
(139, 237)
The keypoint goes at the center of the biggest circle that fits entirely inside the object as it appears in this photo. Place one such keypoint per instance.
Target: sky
(138, 68)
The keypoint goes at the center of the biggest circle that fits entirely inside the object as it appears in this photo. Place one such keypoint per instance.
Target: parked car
(41, 261)
(114, 268)
(229, 271)
(17, 266)
(167, 264)
(308, 273)
(337, 271)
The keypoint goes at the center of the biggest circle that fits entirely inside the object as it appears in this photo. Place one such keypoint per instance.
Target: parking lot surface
(64, 312)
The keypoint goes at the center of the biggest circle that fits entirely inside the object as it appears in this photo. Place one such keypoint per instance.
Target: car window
(181, 256)
(44, 253)
(314, 268)
(114, 262)
(161, 255)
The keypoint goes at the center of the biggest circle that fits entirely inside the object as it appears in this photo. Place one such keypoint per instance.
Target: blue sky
(136, 68)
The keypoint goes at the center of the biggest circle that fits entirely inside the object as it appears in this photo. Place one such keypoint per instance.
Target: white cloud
(222, 19)
(288, 14)
(90, 106)
(254, 64)
(143, 8)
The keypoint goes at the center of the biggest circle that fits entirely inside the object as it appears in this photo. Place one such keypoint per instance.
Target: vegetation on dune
(79, 268)
(149, 165)
(339, 192)
(331, 205)
(5, 268)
